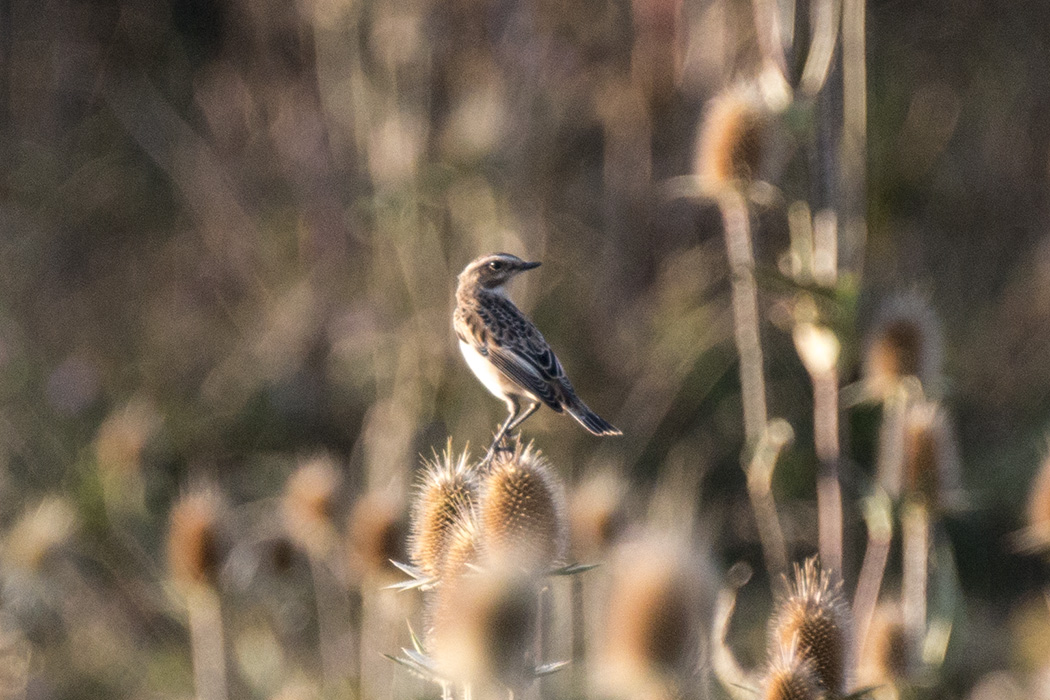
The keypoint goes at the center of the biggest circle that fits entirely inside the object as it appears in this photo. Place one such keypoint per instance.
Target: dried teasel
(731, 140)
(195, 542)
(309, 505)
(790, 676)
(375, 533)
(905, 341)
(484, 627)
(654, 614)
(1038, 511)
(814, 616)
(597, 517)
(886, 656)
(521, 511)
(446, 491)
(930, 455)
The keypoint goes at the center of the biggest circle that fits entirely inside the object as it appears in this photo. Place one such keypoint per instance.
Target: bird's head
(493, 271)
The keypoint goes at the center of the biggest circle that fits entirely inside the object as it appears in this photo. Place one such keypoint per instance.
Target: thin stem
(579, 636)
(854, 133)
(727, 669)
(879, 519)
(915, 532)
(206, 641)
(829, 491)
(327, 609)
(737, 231)
(759, 487)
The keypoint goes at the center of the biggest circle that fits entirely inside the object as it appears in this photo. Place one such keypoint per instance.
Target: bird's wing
(517, 349)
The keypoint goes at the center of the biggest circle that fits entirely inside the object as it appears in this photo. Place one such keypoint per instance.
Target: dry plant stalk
(309, 506)
(878, 516)
(818, 347)
(194, 557)
(729, 153)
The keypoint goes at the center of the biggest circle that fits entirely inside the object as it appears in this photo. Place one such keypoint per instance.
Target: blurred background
(230, 236)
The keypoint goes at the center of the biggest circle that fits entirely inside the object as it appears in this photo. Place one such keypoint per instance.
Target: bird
(507, 353)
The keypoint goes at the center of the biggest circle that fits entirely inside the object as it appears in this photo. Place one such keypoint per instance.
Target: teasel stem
(775, 437)
(579, 637)
(737, 230)
(206, 641)
(878, 516)
(829, 491)
(824, 17)
(326, 604)
(915, 534)
(730, 674)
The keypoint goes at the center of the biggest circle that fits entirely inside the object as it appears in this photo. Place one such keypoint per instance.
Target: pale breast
(491, 377)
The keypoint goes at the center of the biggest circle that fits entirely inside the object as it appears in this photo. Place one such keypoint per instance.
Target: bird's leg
(513, 407)
(533, 407)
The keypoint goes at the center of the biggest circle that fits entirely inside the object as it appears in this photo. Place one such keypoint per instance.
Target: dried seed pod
(655, 613)
(815, 617)
(485, 627)
(194, 540)
(375, 533)
(521, 512)
(596, 515)
(904, 342)
(446, 492)
(931, 461)
(790, 676)
(1039, 507)
(463, 551)
(731, 140)
(886, 656)
(309, 505)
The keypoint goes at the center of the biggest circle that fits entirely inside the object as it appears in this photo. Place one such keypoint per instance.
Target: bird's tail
(589, 419)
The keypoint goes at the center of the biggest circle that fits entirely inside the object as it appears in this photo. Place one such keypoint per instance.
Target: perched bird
(507, 353)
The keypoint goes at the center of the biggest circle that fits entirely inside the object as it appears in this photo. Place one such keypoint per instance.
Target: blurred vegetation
(231, 230)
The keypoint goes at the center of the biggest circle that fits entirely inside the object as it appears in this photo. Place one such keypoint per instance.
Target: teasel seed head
(309, 505)
(655, 612)
(463, 552)
(931, 461)
(887, 654)
(195, 543)
(375, 534)
(904, 342)
(521, 511)
(790, 676)
(730, 141)
(1039, 508)
(447, 489)
(814, 616)
(597, 516)
(484, 627)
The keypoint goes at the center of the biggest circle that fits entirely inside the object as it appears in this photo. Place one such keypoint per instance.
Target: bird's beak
(529, 266)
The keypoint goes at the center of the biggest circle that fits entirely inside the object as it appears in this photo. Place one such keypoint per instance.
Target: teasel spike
(309, 504)
(814, 614)
(484, 628)
(376, 531)
(195, 543)
(655, 613)
(930, 454)
(521, 511)
(905, 341)
(731, 140)
(446, 490)
(790, 676)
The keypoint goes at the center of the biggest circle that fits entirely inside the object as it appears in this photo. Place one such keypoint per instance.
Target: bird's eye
(496, 265)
